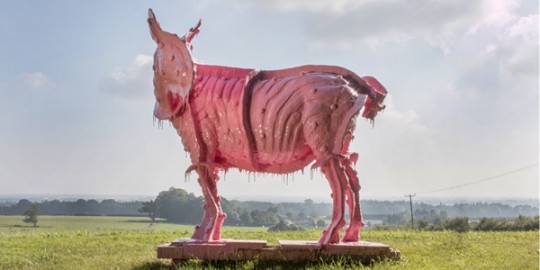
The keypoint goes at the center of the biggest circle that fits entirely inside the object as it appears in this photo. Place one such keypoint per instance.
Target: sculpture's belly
(269, 162)
(285, 162)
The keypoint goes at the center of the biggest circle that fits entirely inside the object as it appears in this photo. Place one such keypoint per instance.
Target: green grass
(130, 243)
(47, 224)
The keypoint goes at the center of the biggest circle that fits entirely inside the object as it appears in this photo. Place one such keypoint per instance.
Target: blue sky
(76, 92)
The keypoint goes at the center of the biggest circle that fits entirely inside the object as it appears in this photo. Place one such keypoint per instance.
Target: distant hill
(284, 206)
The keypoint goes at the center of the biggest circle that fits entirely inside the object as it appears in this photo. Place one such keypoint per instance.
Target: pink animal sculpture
(265, 121)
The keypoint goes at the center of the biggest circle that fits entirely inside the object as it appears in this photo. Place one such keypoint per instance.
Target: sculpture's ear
(192, 32)
(155, 29)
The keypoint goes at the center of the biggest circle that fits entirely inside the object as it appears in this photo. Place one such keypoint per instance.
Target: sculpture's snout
(168, 108)
(160, 113)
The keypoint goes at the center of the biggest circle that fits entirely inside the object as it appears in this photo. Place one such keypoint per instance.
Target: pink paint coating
(277, 121)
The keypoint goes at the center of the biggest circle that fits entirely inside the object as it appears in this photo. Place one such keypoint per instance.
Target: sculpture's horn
(192, 32)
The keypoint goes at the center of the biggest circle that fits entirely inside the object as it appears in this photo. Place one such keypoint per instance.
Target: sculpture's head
(374, 101)
(173, 69)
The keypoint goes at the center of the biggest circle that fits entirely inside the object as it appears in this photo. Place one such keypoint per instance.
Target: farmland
(61, 242)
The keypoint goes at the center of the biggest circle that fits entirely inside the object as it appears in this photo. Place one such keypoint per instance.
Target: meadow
(64, 242)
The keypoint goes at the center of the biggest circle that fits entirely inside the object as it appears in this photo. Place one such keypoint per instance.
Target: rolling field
(130, 243)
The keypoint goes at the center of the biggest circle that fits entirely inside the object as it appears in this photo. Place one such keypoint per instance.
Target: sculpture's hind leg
(220, 215)
(335, 175)
(213, 218)
(353, 202)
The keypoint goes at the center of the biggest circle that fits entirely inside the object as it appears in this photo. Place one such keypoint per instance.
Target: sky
(76, 94)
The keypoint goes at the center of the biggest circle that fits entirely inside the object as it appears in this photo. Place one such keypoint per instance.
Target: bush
(422, 225)
(282, 226)
(486, 224)
(522, 223)
(458, 224)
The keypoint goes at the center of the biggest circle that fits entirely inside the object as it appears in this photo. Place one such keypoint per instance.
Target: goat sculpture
(277, 121)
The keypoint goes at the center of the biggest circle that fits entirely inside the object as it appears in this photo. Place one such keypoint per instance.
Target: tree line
(463, 224)
(108, 207)
(179, 206)
(472, 210)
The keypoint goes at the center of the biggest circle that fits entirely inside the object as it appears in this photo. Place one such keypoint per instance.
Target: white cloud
(132, 82)
(522, 48)
(377, 22)
(36, 80)
(526, 27)
(336, 6)
(406, 120)
(495, 14)
(496, 54)
(491, 48)
(142, 60)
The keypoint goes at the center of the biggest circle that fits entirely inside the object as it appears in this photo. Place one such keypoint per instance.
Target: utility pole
(410, 202)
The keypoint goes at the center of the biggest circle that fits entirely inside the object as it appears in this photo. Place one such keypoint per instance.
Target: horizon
(532, 201)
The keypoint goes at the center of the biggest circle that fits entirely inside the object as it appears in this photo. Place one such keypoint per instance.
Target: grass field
(130, 243)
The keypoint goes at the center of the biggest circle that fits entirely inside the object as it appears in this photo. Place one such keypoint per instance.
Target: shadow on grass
(148, 221)
(341, 263)
(12, 226)
(18, 226)
(153, 266)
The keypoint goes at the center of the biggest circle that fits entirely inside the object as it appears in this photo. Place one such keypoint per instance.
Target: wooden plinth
(286, 250)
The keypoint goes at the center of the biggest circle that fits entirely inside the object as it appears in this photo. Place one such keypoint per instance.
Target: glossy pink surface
(277, 121)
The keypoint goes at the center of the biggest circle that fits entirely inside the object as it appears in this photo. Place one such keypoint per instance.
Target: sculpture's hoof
(352, 234)
(350, 238)
(329, 238)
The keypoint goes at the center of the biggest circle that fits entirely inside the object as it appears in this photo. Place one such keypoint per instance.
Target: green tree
(282, 226)
(289, 215)
(458, 224)
(31, 214)
(422, 225)
(321, 223)
(264, 218)
(177, 205)
(486, 224)
(245, 218)
(151, 208)
(22, 206)
(232, 210)
(80, 207)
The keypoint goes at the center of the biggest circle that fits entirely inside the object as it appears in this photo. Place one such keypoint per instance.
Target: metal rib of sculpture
(277, 121)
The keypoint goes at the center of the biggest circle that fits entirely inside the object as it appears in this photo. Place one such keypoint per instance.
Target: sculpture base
(287, 250)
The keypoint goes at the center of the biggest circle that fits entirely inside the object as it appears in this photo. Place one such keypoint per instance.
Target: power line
(483, 180)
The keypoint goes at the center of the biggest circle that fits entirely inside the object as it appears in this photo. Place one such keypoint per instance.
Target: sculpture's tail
(375, 99)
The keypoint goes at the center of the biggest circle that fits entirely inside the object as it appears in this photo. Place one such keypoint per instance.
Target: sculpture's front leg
(201, 230)
(213, 218)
